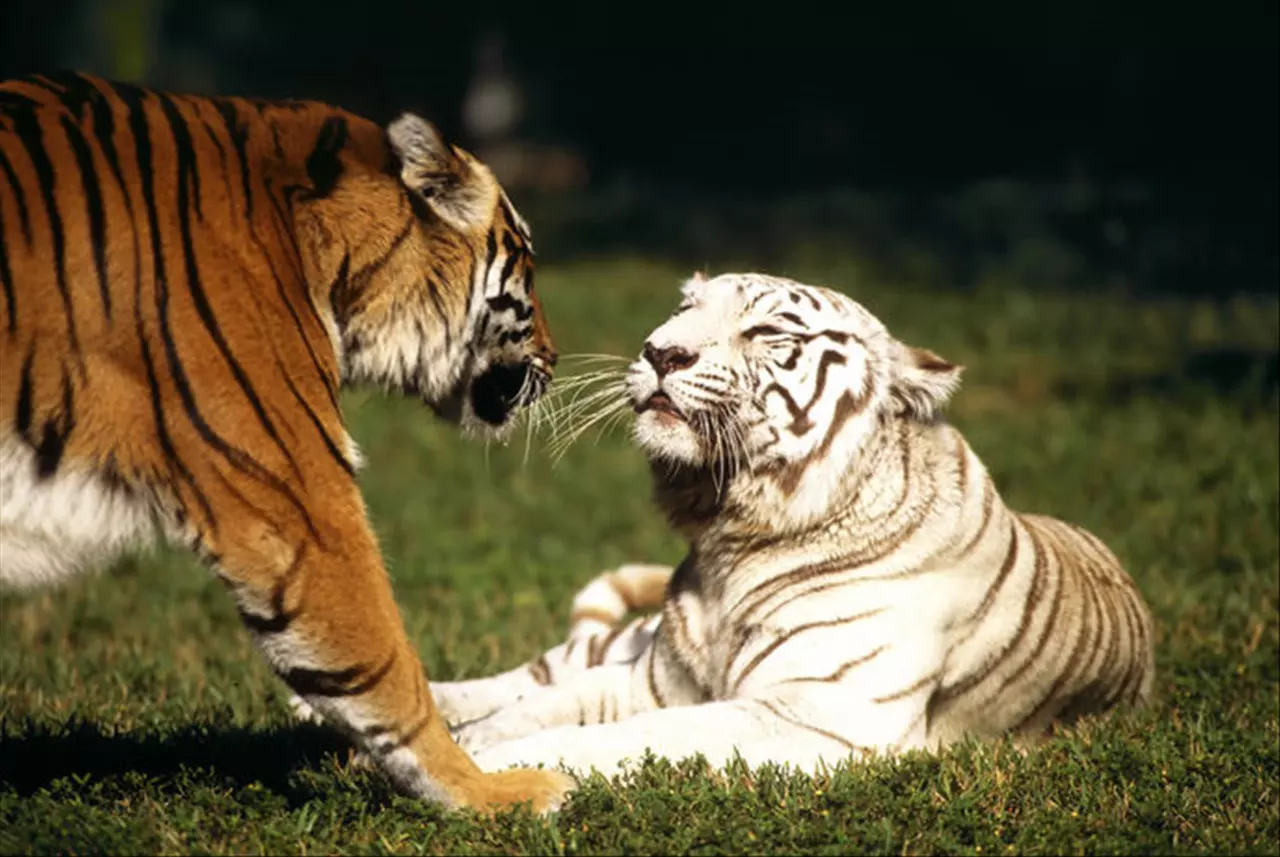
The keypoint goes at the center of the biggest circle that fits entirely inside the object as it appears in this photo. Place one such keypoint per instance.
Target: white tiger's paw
(304, 712)
(477, 735)
(459, 702)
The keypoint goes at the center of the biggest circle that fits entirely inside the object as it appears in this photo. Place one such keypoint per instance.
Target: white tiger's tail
(610, 596)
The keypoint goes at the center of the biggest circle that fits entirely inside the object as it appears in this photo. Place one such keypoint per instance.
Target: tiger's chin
(666, 435)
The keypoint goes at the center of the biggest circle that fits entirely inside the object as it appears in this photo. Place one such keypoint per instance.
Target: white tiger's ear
(922, 382)
(431, 168)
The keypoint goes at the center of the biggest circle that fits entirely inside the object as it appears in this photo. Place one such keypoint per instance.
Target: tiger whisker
(561, 444)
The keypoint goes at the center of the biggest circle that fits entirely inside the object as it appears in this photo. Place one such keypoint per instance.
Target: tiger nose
(668, 359)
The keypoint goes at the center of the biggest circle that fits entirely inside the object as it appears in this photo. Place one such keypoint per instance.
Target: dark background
(1125, 145)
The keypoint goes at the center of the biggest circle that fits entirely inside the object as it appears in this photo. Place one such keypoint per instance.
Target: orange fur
(187, 283)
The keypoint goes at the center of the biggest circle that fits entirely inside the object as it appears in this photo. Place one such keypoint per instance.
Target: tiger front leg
(758, 731)
(601, 695)
(464, 701)
(322, 612)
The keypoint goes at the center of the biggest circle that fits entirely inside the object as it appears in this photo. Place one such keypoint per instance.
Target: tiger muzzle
(506, 387)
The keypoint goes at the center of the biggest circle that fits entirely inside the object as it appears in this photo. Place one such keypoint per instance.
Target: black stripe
(978, 676)
(914, 687)
(239, 139)
(133, 98)
(187, 182)
(337, 454)
(24, 218)
(323, 165)
(513, 256)
(540, 670)
(652, 678)
(27, 128)
(490, 254)
(408, 736)
(838, 566)
(6, 281)
(342, 682)
(1085, 642)
(363, 275)
(170, 454)
(281, 616)
(57, 428)
(789, 635)
(93, 205)
(800, 421)
(22, 416)
(989, 597)
(844, 669)
(104, 125)
(1043, 556)
(188, 164)
(504, 301)
(800, 724)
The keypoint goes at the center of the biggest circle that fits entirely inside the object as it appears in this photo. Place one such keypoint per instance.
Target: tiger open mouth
(505, 387)
(660, 403)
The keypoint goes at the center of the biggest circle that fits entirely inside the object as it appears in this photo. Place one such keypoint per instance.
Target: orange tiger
(186, 282)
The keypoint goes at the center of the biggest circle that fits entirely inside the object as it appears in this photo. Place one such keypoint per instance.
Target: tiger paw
(476, 735)
(544, 790)
(304, 712)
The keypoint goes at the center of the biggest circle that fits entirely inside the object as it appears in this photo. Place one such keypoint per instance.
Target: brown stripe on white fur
(855, 586)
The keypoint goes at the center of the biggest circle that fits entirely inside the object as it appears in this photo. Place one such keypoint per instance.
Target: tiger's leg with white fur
(464, 701)
(594, 640)
(759, 730)
(601, 695)
(783, 716)
(349, 658)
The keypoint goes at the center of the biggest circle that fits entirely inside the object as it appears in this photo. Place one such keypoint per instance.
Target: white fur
(55, 528)
(890, 647)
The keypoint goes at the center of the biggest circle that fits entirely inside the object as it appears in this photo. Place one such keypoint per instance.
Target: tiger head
(770, 390)
(429, 272)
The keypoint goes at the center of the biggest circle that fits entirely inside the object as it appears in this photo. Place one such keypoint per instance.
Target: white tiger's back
(1064, 634)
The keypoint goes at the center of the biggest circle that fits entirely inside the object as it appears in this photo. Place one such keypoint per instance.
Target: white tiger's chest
(54, 527)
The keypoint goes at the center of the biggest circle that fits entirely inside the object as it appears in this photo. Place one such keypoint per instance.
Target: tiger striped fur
(185, 284)
(854, 584)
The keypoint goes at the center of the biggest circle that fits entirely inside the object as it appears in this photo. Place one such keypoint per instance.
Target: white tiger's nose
(669, 359)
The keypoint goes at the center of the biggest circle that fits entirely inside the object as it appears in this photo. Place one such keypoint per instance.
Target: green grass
(135, 716)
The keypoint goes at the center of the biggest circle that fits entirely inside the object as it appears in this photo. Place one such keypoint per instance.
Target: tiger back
(186, 283)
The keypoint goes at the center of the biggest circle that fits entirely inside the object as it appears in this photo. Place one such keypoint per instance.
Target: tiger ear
(922, 383)
(698, 277)
(430, 168)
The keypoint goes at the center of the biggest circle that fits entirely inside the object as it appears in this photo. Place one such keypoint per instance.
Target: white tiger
(853, 585)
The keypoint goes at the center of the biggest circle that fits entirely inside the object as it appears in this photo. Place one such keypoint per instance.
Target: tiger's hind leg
(320, 607)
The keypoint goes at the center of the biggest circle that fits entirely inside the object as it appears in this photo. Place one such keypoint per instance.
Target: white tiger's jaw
(670, 425)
